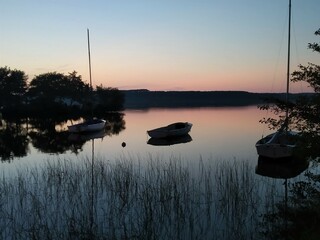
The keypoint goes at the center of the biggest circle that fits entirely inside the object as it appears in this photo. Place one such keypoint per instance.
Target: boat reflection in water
(77, 137)
(284, 169)
(277, 220)
(169, 140)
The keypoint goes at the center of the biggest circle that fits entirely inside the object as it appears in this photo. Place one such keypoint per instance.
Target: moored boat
(92, 125)
(280, 144)
(172, 130)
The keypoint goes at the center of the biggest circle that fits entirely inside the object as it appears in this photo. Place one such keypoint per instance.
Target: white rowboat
(172, 130)
(88, 126)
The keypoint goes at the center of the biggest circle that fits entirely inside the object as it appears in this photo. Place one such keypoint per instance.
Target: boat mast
(89, 59)
(288, 60)
(90, 76)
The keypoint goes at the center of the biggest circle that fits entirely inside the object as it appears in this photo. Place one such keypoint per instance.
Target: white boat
(172, 130)
(282, 143)
(93, 124)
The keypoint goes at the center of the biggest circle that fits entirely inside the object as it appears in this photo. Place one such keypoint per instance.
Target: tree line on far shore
(54, 92)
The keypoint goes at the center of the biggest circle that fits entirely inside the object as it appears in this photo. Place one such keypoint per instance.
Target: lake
(217, 133)
(211, 184)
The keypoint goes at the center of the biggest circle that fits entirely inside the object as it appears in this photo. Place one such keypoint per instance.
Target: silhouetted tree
(304, 113)
(77, 89)
(46, 86)
(13, 85)
(56, 89)
(109, 98)
(55, 93)
(301, 211)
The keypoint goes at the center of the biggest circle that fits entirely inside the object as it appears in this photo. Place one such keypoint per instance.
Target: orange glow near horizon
(161, 45)
(158, 81)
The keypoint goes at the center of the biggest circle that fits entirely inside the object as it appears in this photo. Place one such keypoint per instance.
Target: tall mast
(288, 64)
(288, 61)
(89, 59)
(91, 89)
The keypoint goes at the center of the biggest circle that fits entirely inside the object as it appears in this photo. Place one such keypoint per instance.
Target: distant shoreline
(143, 98)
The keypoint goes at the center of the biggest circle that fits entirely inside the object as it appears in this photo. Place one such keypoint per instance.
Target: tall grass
(130, 200)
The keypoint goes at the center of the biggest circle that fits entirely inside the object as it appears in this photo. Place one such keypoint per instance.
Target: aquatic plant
(130, 199)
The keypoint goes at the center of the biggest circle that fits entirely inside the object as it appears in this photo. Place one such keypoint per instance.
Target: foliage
(55, 87)
(109, 98)
(13, 84)
(301, 212)
(53, 93)
(298, 216)
(308, 110)
(304, 113)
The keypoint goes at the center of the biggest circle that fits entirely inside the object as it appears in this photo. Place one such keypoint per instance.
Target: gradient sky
(161, 45)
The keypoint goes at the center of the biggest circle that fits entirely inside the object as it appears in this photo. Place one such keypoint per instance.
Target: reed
(130, 199)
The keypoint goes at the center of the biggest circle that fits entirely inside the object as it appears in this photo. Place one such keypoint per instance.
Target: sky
(202, 45)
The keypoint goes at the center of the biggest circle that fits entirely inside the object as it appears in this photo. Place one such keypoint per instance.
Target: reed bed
(130, 200)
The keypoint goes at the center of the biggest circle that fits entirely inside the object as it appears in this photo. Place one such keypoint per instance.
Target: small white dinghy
(88, 126)
(172, 130)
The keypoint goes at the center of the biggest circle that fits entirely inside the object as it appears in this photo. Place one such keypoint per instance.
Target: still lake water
(222, 196)
(218, 134)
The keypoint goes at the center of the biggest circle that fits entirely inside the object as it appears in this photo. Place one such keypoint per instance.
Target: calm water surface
(223, 193)
(218, 134)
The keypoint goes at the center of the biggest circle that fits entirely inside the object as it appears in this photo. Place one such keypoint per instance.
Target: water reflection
(48, 135)
(13, 141)
(283, 169)
(276, 220)
(76, 137)
(222, 139)
(169, 141)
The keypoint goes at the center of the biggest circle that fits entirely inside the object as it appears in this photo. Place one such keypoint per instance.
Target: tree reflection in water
(42, 133)
(14, 141)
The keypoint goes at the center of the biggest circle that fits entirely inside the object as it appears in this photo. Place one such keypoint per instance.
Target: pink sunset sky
(182, 45)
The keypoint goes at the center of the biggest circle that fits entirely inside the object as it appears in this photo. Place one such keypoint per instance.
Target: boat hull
(88, 126)
(172, 130)
(275, 150)
(277, 145)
